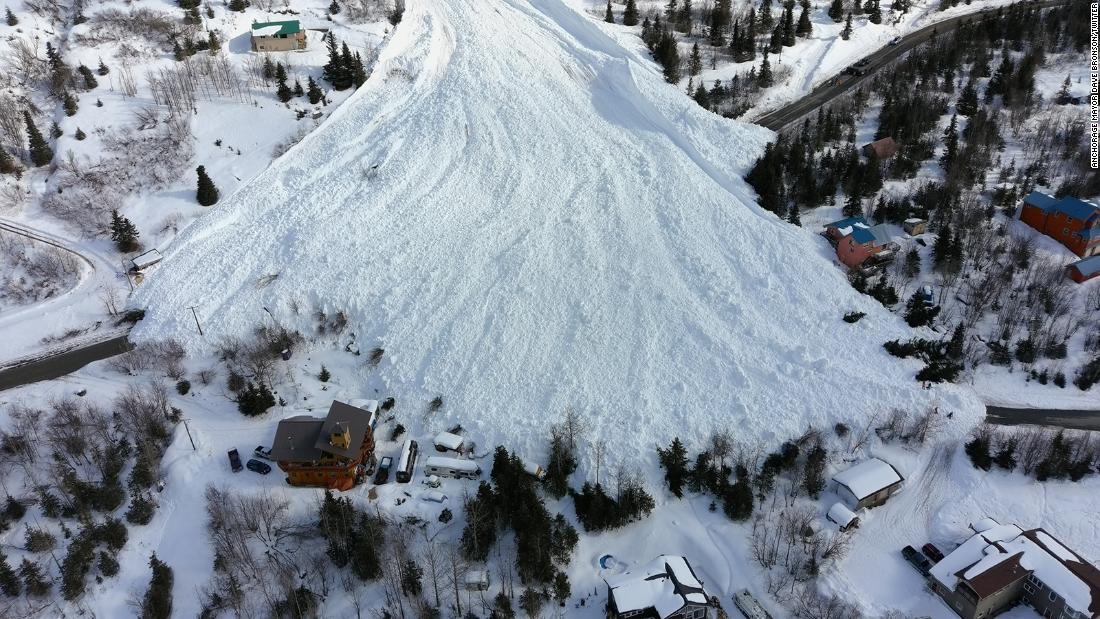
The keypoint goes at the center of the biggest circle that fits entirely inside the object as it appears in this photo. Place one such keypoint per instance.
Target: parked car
(895, 41)
(262, 452)
(917, 560)
(235, 461)
(932, 552)
(256, 466)
(383, 474)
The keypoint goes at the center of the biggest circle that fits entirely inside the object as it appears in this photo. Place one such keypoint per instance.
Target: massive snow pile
(528, 218)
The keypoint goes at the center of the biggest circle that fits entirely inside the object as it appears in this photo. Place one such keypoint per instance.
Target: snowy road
(527, 218)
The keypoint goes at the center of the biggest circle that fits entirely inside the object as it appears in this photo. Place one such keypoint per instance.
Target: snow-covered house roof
(1074, 208)
(456, 464)
(841, 515)
(1088, 267)
(447, 440)
(1002, 554)
(868, 477)
(276, 28)
(665, 584)
(145, 260)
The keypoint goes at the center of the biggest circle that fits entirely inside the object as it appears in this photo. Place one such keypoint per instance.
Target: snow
(579, 237)
(449, 441)
(440, 462)
(266, 31)
(841, 515)
(868, 477)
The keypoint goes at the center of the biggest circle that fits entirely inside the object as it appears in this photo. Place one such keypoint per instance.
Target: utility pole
(193, 313)
(188, 428)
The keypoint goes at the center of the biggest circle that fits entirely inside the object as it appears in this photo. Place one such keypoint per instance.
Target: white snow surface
(527, 218)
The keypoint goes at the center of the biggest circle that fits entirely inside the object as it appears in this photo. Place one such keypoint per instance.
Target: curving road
(842, 84)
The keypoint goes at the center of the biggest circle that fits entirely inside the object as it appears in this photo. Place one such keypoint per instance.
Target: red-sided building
(857, 242)
(1070, 221)
(1084, 270)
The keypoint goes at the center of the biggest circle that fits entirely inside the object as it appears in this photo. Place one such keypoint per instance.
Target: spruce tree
(157, 603)
(238, 5)
(89, 77)
(630, 13)
(55, 130)
(917, 313)
(813, 478)
(875, 14)
(7, 162)
(10, 17)
(123, 233)
(298, 90)
(608, 16)
(79, 135)
(9, 581)
(313, 92)
(1063, 97)
(69, 103)
(805, 28)
(977, 449)
(765, 78)
(213, 43)
(40, 151)
(967, 104)
(668, 54)
(847, 32)
(102, 70)
(207, 193)
(695, 61)
(793, 216)
(324, 375)
(267, 69)
(334, 8)
(788, 25)
(358, 71)
(282, 91)
(766, 18)
(951, 144)
(836, 11)
(675, 463)
(35, 584)
(775, 44)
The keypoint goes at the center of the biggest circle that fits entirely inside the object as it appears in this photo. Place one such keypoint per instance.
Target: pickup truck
(917, 560)
(235, 461)
(383, 474)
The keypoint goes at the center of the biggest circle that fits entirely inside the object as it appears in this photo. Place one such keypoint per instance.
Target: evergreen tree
(10, 17)
(333, 8)
(917, 313)
(813, 478)
(411, 575)
(89, 77)
(9, 581)
(775, 43)
(562, 589)
(874, 15)
(668, 55)
(671, 12)
(40, 151)
(157, 603)
(282, 91)
(358, 71)
(102, 70)
(531, 601)
(967, 104)
(978, 450)
(33, 580)
(951, 144)
(804, 28)
(701, 96)
(313, 92)
(674, 461)
(788, 25)
(213, 43)
(955, 346)
(123, 233)
(7, 163)
(255, 400)
(268, 69)
(766, 19)
(334, 71)
(55, 130)
(630, 13)
(608, 16)
(836, 11)
(559, 467)
(695, 61)
(737, 500)
(324, 376)
(1006, 454)
(207, 193)
(298, 90)
(177, 51)
(79, 135)
(683, 17)
(846, 33)
(238, 5)
(1063, 97)
(793, 216)
(765, 78)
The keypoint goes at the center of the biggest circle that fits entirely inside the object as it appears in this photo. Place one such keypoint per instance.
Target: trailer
(452, 467)
(749, 606)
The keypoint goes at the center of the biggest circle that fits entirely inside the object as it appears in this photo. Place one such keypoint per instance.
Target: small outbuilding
(914, 226)
(842, 517)
(883, 149)
(445, 441)
(144, 261)
(278, 36)
(476, 580)
(1084, 270)
(868, 484)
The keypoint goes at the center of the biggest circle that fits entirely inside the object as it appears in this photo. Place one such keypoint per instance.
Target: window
(1053, 596)
(1029, 588)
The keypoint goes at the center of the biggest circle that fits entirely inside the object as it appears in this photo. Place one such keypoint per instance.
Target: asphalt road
(842, 84)
(1069, 419)
(62, 363)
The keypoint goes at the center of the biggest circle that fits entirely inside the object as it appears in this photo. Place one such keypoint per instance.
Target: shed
(868, 484)
(476, 580)
(434, 496)
(445, 441)
(883, 149)
(146, 260)
(1084, 270)
(914, 226)
(278, 36)
(843, 517)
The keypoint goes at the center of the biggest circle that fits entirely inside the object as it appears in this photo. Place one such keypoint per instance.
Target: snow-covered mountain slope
(527, 218)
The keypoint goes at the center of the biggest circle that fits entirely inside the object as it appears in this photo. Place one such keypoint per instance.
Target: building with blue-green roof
(278, 36)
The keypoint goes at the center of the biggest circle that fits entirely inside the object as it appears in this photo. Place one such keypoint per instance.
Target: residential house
(868, 484)
(883, 149)
(1084, 270)
(858, 242)
(914, 226)
(278, 36)
(1070, 221)
(333, 452)
(664, 588)
(1001, 566)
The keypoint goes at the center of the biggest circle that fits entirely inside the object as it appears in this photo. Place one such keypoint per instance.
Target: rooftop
(1070, 206)
(304, 438)
(1002, 554)
(868, 477)
(276, 28)
(665, 584)
(1088, 267)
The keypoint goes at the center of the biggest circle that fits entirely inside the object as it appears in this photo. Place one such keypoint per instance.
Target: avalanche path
(528, 218)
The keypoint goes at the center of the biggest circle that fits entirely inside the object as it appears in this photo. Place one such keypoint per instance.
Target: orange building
(329, 453)
(1070, 221)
